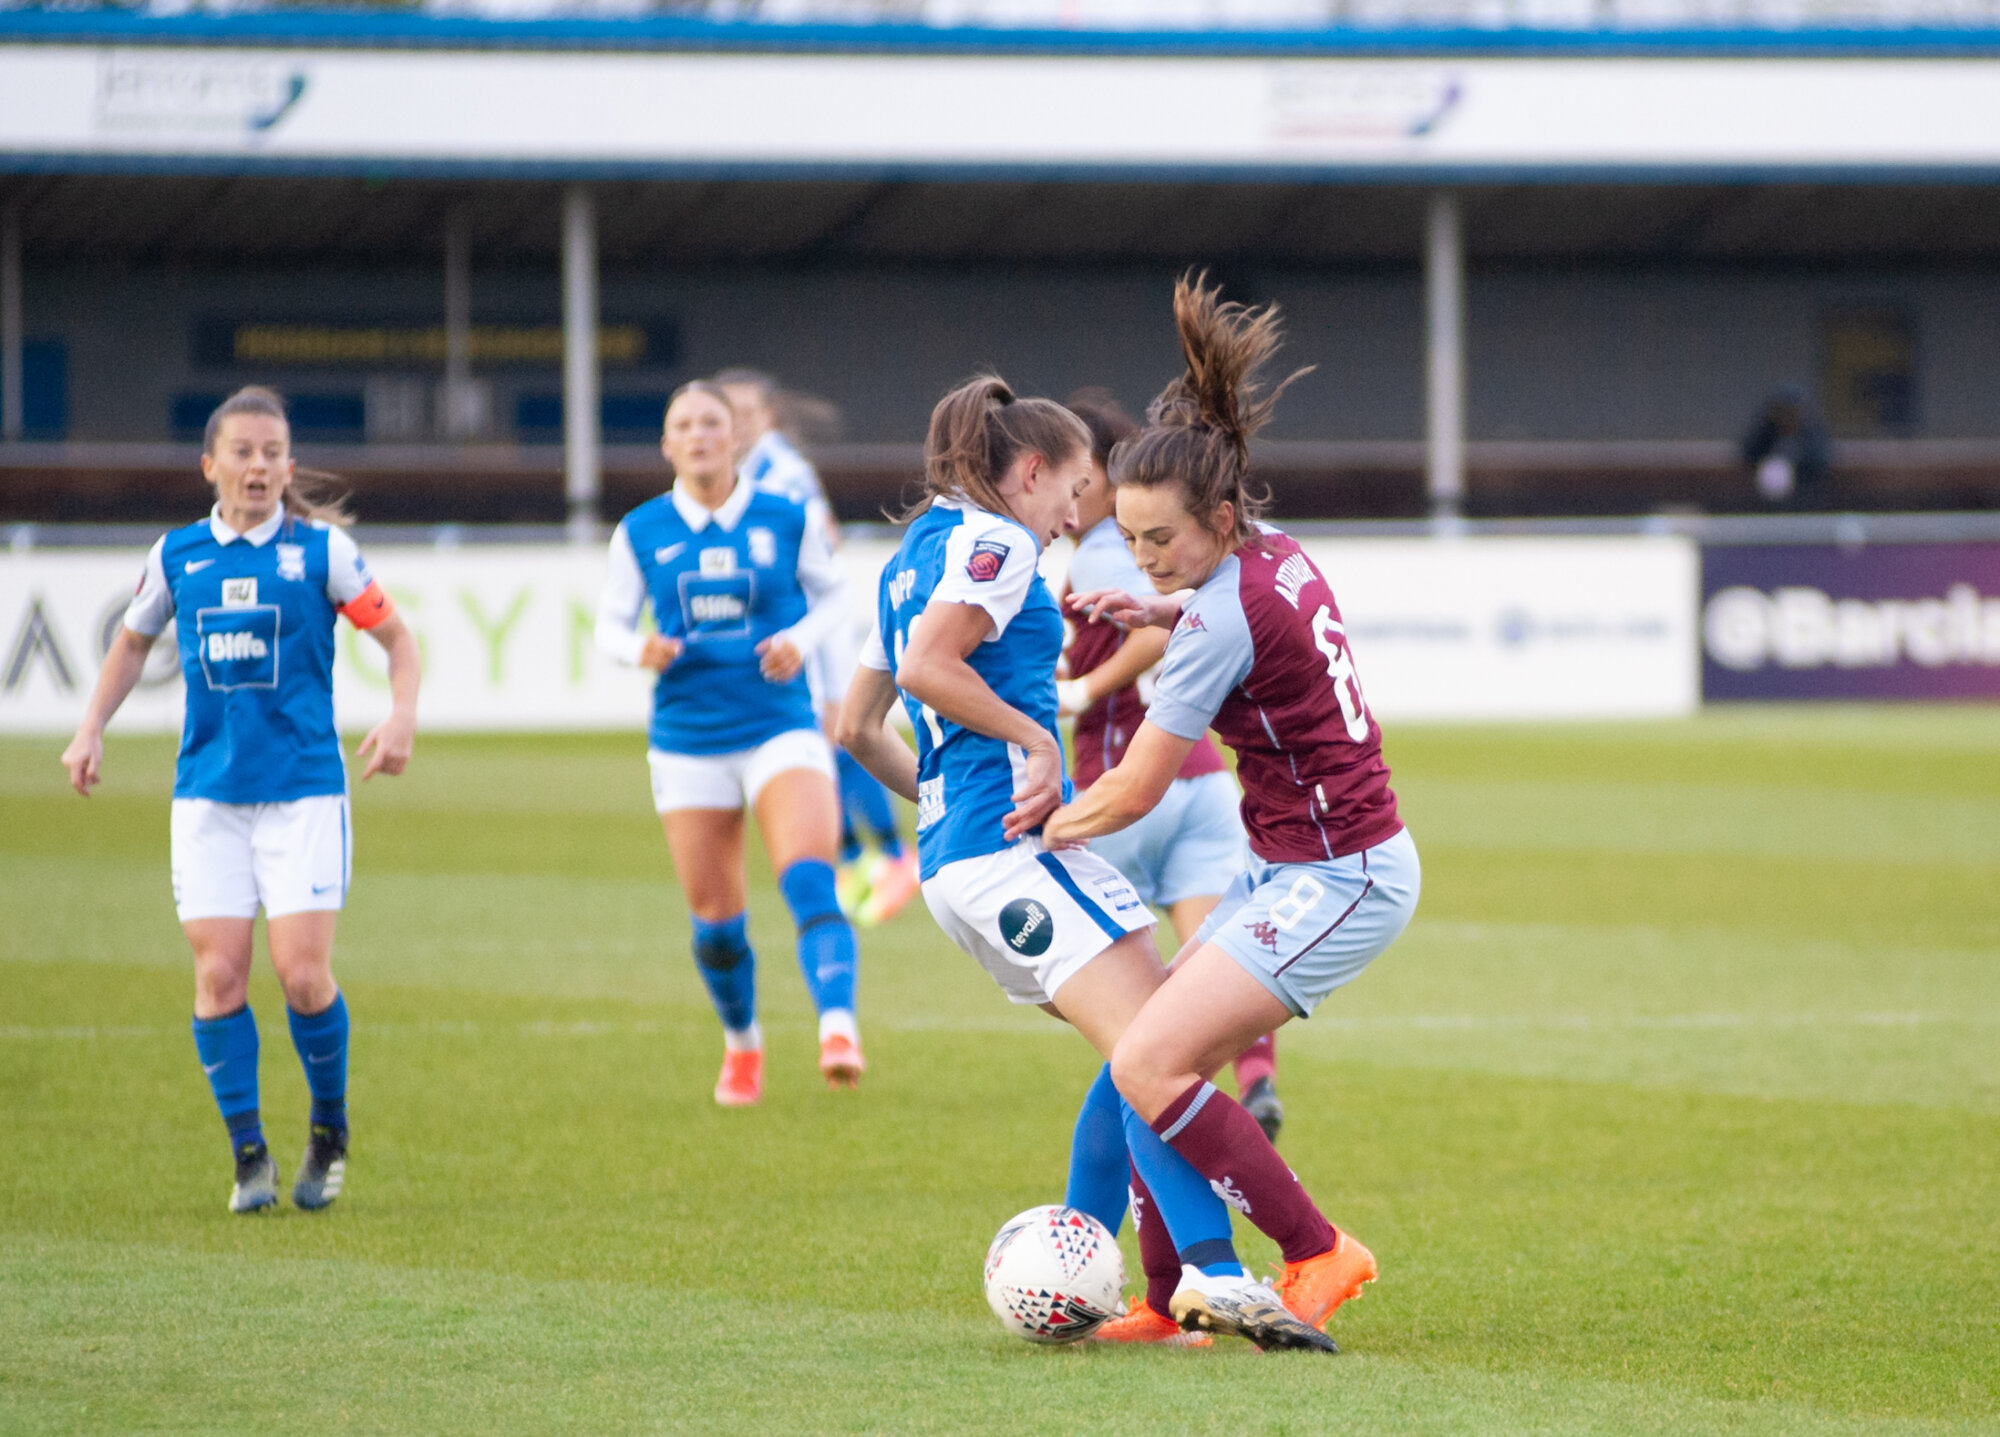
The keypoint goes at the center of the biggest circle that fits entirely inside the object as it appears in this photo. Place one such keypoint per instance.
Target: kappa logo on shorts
(1027, 927)
(1265, 933)
(988, 558)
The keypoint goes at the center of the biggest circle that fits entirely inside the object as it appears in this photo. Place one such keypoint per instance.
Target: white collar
(258, 536)
(697, 517)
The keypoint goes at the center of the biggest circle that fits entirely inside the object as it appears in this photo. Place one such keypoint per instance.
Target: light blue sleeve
(1208, 654)
(1106, 564)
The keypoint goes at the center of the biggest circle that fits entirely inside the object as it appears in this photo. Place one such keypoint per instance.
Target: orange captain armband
(368, 608)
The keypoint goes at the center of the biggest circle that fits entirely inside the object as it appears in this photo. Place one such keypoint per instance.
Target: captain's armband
(368, 608)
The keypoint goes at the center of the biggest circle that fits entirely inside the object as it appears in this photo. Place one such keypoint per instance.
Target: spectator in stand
(1789, 451)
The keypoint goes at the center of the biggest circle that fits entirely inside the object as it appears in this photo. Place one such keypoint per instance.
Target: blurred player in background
(1182, 854)
(744, 588)
(260, 814)
(1259, 654)
(970, 634)
(872, 887)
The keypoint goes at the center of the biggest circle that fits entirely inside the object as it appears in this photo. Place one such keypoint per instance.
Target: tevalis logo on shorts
(1027, 927)
(988, 555)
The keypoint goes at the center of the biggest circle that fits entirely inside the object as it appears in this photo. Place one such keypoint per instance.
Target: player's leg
(791, 785)
(215, 894)
(302, 852)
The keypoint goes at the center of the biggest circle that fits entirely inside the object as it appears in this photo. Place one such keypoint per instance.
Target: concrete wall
(1554, 352)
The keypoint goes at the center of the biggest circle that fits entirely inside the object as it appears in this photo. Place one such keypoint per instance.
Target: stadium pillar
(453, 399)
(582, 477)
(1444, 316)
(13, 417)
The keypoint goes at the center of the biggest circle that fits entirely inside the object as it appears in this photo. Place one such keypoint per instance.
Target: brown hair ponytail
(1199, 428)
(979, 430)
(309, 495)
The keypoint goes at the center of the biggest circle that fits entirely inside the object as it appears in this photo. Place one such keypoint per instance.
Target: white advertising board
(1442, 629)
(475, 110)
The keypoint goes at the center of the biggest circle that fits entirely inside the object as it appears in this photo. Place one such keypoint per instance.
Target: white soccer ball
(1054, 1274)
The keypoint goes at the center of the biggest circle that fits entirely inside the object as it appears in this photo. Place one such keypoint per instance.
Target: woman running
(259, 813)
(1257, 652)
(1181, 854)
(743, 589)
(872, 887)
(970, 634)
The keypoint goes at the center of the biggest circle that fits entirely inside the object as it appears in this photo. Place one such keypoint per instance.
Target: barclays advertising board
(1886, 621)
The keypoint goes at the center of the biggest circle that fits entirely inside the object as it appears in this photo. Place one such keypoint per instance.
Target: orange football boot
(840, 1061)
(742, 1081)
(1314, 1288)
(1142, 1324)
(892, 882)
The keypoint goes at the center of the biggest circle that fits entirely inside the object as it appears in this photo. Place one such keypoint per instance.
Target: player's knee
(721, 946)
(808, 886)
(1139, 1078)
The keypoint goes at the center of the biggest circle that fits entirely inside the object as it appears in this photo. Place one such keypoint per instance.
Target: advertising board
(1888, 621)
(1442, 629)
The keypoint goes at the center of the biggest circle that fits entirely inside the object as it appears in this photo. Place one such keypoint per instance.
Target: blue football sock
(862, 795)
(1098, 1164)
(321, 1040)
(227, 1047)
(723, 956)
(1194, 1215)
(826, 939)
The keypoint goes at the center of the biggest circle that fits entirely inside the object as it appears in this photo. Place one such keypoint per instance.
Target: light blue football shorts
(1186, 847)
(1304, 929)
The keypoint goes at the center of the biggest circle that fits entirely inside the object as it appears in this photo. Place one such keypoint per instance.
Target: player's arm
(1134, 611)
(1126, 793)
(863, 731)
(824, 583)
(935, 673)
(1140, 651)
(389, 744)
(617, 633)
(115, 681)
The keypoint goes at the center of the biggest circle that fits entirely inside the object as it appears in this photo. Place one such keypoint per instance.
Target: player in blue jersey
(970, 634)
(872, 887)
(260, 816)
(743, 588)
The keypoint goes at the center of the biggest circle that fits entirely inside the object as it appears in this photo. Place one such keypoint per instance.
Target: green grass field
(1678, 1109)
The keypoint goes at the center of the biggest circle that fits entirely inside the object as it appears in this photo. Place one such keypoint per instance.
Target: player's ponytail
(1199, 427)
(309, 495)
(979, 430)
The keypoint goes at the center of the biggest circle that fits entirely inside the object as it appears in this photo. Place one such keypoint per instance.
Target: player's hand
(1039, 792)
(780, 659)
(1072, 698)
(1126, 610)
(659, 653)
(387, 747)
(83, 758)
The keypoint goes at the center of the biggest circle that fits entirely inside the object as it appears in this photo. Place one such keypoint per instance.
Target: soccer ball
(1054, 1274)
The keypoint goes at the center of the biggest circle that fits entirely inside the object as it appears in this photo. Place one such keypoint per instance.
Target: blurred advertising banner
(1889, 621)
(1442, 629)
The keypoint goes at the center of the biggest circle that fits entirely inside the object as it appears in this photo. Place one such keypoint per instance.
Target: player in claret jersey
(1259, 654)
(260, 795)
(743, 589)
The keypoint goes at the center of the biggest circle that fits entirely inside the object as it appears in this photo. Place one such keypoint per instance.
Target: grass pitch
(1678, 1109)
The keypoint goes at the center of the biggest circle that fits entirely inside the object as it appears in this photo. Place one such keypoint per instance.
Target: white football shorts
(1189, 846)
(230, 859)
(731, 780)
(1033, 918)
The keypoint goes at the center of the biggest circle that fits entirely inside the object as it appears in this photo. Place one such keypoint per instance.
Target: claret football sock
(1193, 1212)
(1158, 1257)
(1098, 1162)
(727, 965)
(227, 1047)
(826, 938)
(1259, 1060)
(321, 1041)
(1224, 1143)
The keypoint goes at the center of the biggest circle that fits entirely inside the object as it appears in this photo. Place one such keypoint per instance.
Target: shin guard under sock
(1224, 1143)
(826, 939)
(1194, 1215)
(321, 1041)
(1098, 1161)
(723, 957)
(227, 1048)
